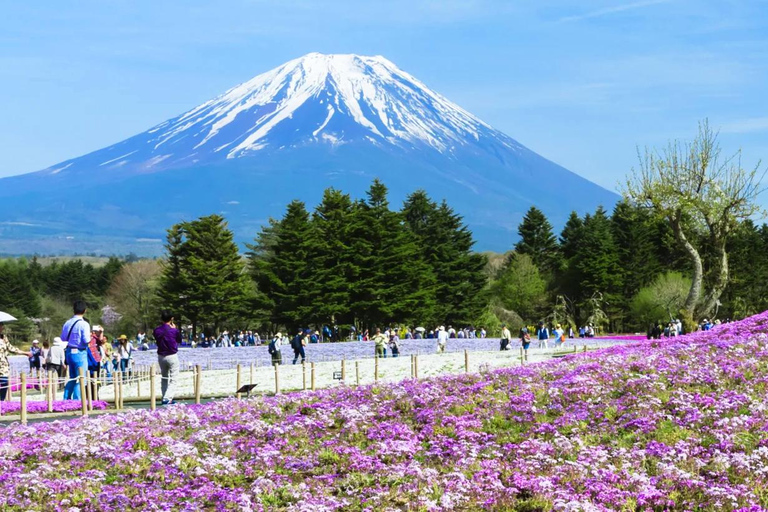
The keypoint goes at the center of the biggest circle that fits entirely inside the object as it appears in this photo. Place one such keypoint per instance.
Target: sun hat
(97, 328)
(123, 337)
(35, 342)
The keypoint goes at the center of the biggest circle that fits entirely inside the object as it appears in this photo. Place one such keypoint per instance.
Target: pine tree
(395, 283)
(279, 266)
(596, 263)
(205, 271)
(570, 236)
(537, 240)
(447, 243)
(332, 267)
(638, 265)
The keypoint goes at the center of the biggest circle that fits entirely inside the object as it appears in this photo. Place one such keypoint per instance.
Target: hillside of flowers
(662, 425)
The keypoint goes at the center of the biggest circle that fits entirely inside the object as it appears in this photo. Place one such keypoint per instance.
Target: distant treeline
(360, 263)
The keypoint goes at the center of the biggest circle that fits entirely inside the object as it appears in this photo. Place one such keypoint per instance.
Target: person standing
(394, 344)
(94, 356)
(543, 335)
(34, 357)
(380, 343)
(76, 333)
(168, 339)
(559, 335)
(274, 349)
(125, 351)
(442, 340)
(525, 339)
(56, 357)
(506, 337)
(5, 366)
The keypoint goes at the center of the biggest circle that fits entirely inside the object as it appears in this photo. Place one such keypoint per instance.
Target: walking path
(224, 383)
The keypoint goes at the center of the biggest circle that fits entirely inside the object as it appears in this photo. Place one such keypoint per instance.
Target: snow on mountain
(316, 121)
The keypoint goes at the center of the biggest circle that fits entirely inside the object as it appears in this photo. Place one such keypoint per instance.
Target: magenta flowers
(675, 424)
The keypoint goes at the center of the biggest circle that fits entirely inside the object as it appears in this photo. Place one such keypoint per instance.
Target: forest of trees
(362, 263)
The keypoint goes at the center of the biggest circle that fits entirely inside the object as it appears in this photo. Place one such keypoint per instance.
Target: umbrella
(420, 329)
(5, 317)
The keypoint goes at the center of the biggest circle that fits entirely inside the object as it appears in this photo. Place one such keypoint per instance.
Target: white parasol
(420, 329)
(5, 317)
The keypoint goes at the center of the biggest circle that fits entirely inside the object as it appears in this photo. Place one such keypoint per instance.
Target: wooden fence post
(239, 369)
(251, 379)
(51, 390)
(416, 366)
(312, 376)
(83, 391)
(198, 382)
(277, 378)
(23, 396)
(357, 372)
(376, 369)
(152, 392)
(344, 371)
(466, 361)
(304, 375)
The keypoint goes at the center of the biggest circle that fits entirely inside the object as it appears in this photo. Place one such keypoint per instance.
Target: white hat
(442, 328)
(35, 342)
(97, 328)
(279, 335)
(57, 339)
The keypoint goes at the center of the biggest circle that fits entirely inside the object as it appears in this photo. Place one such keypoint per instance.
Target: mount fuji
(314, 122)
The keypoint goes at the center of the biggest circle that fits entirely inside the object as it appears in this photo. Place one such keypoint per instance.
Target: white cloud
(597, 13)
(754, 124)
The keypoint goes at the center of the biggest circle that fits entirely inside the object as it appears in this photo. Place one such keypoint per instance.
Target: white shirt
(56, 353)
(442, 337)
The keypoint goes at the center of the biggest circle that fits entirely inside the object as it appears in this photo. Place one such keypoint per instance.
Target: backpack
(296, 342)
(272, 347)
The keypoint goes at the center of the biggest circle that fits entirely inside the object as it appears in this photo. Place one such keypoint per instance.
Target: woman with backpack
(274, 349)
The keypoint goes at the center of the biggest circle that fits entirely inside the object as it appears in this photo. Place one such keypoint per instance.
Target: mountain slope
(314, 122)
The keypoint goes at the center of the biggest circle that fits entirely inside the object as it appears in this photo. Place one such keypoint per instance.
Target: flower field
(40, 407)
(663, 425)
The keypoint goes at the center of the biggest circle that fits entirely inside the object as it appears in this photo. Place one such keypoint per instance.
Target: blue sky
(582, 83)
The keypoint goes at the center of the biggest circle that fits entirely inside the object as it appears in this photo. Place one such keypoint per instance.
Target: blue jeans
(125, 366)
(3, 388)
(75, 362)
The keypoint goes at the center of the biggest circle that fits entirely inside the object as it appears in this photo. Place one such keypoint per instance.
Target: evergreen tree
(537, 240)
(279, 265)
(208, 275)
(395, 284)
(17, 294)
(596, 264)
(447, 244)
(521, 288)
(333, 269)
(638, 265)
(570, 236)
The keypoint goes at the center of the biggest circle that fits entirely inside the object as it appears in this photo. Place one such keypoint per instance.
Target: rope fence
(139, 384)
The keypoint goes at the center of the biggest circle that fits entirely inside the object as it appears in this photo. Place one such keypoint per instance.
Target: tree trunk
(710, 301)
(698, 268)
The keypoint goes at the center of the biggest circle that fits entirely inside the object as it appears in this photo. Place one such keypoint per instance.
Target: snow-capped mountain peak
(317, 98)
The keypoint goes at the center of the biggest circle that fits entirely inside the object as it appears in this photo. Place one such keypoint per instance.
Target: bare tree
(699, 193)
(133, 292)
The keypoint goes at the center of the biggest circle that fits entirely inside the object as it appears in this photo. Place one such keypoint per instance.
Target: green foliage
(521, 288)
(203, 279)
(662, 299)
(537, 240)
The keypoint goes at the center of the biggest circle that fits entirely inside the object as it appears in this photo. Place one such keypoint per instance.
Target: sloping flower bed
(40, 406)
(663, 425)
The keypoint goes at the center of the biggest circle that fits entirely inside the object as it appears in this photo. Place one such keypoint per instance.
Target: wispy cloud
(749, 125)
(597, 13)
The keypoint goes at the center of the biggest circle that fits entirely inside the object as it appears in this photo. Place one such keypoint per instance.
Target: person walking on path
(5, 366)
(94, 356)
(274, 349)
(543, 335)
(380, 342)
(168, 339)
(559, 336)
(76, 333)
(506, 337)
(525, 338)
(442, 340)
(298, 343)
